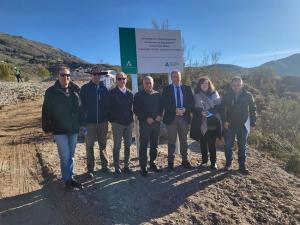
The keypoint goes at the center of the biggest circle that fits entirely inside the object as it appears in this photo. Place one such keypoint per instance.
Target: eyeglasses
(121, 78)
(64, 75)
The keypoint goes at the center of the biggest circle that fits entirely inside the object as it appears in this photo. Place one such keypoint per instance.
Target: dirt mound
(14, 93)
(31, 192)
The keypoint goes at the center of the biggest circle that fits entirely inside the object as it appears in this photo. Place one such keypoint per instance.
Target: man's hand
(158, 118)
(83, 130)
(180, 111)
(49, 136)
(150, 120)
(226, 125)
(204, 113)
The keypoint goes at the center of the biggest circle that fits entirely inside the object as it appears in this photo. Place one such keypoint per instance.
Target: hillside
(20, 51)
(286, 66)
(289, 66)
(29, 55)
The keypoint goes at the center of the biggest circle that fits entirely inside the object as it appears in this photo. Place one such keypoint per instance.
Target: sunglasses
(64, 75)
(121, 78)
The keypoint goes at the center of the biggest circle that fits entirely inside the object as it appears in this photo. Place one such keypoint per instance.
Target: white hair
(148, 78)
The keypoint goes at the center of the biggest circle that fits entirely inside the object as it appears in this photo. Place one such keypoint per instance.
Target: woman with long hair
(206, 124)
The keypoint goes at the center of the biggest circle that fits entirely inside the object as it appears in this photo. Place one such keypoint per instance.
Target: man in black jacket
(239, 116)
(121, 118)
(60, 118)
(147, 106)
(178, 102)
(94, 116)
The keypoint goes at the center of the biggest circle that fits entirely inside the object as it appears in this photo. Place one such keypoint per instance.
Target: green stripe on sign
(128, 50)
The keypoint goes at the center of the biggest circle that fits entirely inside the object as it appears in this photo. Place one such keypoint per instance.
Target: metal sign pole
(135, 89)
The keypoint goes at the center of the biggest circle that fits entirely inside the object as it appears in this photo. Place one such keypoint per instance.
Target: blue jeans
(66, 144)
(241, 133)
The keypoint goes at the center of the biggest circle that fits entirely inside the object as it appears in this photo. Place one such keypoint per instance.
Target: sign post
(145, 51)
(135, 89)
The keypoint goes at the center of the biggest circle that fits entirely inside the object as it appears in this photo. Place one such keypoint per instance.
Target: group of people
(68, 108)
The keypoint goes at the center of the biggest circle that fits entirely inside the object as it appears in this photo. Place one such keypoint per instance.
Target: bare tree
(164, 25)
(215, 57)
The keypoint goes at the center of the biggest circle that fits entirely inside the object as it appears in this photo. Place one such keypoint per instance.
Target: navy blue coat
(94, 103)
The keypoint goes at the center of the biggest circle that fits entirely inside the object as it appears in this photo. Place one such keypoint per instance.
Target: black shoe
(105, 170)
(68, 185)
(187, 165)
(214, 167)
(155, 168)
(170, 167)
(117, 172)
(243, 169)
(127, 170)
(75, 184)
(90, 174)
(227, 167)
(144, 172)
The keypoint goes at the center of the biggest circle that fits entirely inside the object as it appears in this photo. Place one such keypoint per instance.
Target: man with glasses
(148, 108)
(60, 118)
(121, 118)
(94, 116)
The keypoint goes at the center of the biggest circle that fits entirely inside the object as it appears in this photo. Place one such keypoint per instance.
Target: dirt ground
(31, 192)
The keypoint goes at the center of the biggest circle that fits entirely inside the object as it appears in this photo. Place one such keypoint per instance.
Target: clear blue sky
(247, 33)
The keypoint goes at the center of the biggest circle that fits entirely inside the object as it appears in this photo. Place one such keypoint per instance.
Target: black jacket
(169, 103)
(94, 103)
(147, 105)
(60, 111)
(236, 112)
(120, 106)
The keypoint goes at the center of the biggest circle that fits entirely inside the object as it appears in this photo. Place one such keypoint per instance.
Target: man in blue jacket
(94, 116)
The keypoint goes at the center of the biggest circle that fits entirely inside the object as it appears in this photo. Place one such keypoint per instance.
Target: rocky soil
(31, 192)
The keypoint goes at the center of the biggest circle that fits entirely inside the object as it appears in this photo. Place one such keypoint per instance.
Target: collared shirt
(175, 94)
(123, 90)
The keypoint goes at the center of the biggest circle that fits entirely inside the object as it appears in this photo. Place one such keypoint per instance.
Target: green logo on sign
(128, 50)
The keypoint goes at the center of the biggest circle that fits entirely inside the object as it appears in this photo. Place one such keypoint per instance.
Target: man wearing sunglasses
(121, 118)
(94, 116)
(60, 118)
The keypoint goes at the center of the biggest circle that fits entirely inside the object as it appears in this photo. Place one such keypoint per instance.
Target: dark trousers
(119, 132)
(208, 143)
(181, 127)
(148, 133)
(96, 132)
(242, 134)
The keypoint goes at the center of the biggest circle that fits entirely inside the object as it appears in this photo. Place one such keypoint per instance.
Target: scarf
(206, 103)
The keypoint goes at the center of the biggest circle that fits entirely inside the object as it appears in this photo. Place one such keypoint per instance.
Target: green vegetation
(30, 56)
(277, 99)
(6, 71)
(42, 71)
